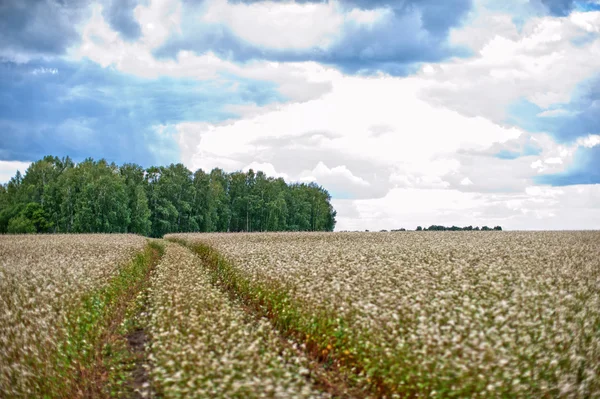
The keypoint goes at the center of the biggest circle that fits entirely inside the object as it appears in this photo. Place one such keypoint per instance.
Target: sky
(409, 112)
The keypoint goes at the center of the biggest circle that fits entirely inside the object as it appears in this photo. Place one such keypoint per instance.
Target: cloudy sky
(410, 112)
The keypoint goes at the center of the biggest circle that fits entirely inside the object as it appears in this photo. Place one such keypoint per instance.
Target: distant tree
(435, 227)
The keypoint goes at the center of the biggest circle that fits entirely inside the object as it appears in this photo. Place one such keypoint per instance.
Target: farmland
(56, 293)
(302, 315)
(205, 346)
(430, 314)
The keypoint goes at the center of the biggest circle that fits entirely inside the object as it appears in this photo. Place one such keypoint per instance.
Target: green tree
(163, 212)
(202, 203)
(238, 194)
(21, 225)
(137, 200)
(101, 203)
(38, 216)
(219, 187)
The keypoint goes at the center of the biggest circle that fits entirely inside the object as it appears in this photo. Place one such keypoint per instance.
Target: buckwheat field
(431, 314)
(301, 315)
(49, 306)
(207, 347)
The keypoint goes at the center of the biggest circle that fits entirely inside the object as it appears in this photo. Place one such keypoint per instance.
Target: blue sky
(409, 112)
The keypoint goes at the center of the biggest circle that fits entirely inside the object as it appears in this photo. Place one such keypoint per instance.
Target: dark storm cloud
(81, 109)
(39, 27)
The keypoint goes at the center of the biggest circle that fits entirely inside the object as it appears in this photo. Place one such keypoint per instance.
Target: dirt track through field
(324, 376)
(133, 356)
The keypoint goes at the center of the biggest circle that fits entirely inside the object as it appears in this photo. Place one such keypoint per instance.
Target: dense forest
(59, 196)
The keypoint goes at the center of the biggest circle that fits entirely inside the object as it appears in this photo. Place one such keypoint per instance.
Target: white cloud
(483, 28)
(408, 208)
(466, 182)
(296, 81)
(337, 172)
(339, 180)
(588, 21)
(537, 208)
(544, 192)
(537, 165)
(589, 141)
(429, 172)
(289, 25)
(250, 110)
(542, 62)
(279, 25)
(8, 169)
(552, 113)
(554, 160)
(266, 168)
(106, 47)
(158, 19)
(45, 71)
(368, 17)
(414, 149)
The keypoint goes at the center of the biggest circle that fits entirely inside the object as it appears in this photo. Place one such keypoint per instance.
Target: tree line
(56, 195)
(435, 227)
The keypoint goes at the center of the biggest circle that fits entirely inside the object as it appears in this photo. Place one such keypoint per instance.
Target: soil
(140, 378)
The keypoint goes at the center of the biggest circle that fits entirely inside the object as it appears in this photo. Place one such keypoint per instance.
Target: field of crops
(466, 314)
(205, 346)
(53, 301)
(301, 315)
